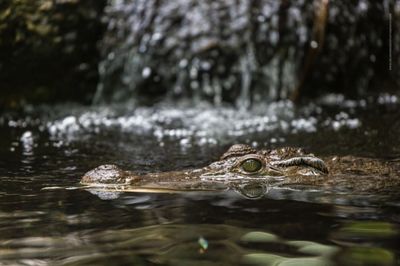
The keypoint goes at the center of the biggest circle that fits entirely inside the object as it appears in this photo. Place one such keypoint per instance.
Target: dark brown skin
(245, 168)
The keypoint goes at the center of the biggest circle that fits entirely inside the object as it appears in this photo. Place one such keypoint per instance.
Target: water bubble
(193, 72)
(261, 18)
(362, 6)
(27, 142)
(183, 63)
(274, 37)
(206, 65)
(194, 85)
(314, 44)
(111, 56)
(156, 37)
(146, 72)
(184, 142)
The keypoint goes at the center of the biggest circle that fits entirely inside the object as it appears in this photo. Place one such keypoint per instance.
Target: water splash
(201, 125)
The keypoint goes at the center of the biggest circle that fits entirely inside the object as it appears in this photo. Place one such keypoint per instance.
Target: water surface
(64, 224)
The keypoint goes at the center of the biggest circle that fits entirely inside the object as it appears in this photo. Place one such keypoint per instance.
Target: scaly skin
(248, 170)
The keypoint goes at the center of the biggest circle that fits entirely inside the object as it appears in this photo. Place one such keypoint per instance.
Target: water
(48, 219)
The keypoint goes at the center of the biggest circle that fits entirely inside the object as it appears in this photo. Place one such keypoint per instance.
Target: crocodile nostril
(108, 167)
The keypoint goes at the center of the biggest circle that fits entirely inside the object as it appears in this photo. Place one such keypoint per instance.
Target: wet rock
(259, 237)
(312, 248)
(360, 255)
(271, 259)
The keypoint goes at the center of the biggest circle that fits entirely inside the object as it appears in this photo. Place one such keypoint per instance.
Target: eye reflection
(251, 165)
(252, 190)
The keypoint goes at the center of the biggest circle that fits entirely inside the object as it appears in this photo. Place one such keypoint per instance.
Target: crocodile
(251, 172)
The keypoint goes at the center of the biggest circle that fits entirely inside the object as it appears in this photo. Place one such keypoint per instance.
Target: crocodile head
(239, 164)
(244, 162)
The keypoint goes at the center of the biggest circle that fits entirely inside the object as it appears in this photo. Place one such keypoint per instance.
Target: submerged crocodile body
(251, 172)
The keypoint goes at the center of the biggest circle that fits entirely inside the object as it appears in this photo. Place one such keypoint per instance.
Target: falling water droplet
(314, 44)
(146, 72)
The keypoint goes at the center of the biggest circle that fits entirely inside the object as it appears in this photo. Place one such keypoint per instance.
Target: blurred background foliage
(48, 50)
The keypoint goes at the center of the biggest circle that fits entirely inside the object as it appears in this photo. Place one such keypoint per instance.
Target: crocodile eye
(251, 165)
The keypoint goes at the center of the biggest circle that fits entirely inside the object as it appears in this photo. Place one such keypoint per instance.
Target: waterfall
(232, 51)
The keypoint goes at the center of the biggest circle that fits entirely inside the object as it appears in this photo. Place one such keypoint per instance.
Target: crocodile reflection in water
(251, 172)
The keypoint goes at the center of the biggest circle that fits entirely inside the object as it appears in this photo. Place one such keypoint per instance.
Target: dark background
(50, 50)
